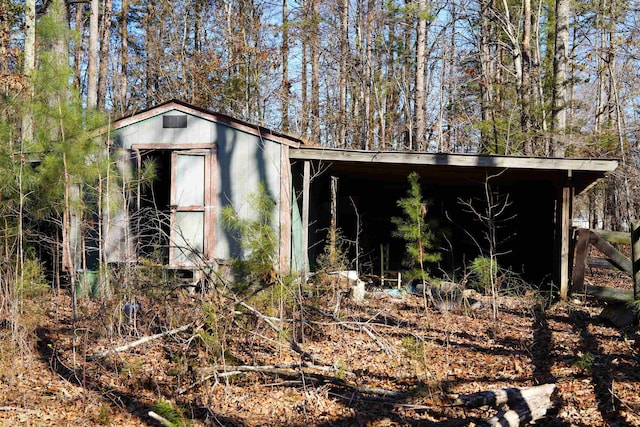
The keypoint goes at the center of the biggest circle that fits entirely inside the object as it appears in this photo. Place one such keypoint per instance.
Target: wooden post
(333, 227)
(285, 211)
(381, 264)
(580, 260)
(306, 186)
(635, 257)
(564, 223)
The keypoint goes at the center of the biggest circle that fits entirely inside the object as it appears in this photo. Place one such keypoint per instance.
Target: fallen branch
(294, 345)
(294, 371)
(162, 420)
(377, 340)
(136, 343)
(524, 404)
(357, 326)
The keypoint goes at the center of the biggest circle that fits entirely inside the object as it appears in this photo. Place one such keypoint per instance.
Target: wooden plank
(579, 266)
(609, 294)
(617, 258)
(462, 160)
(620, 237)
(210, 205)
(635, 257)
(564, 224)
(306, 186)
(600, 262)
(285, 211)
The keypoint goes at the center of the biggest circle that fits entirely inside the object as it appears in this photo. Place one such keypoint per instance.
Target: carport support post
(306, 185)
(565, 229)
(635, 257)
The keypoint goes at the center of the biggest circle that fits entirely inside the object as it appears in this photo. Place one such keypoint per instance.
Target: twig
(136, 343)
(196, 384)
(358, 326)
(294, 345)
(376, 340)
(293, 371)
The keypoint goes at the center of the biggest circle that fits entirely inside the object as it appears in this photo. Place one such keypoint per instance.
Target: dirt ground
(385, 361)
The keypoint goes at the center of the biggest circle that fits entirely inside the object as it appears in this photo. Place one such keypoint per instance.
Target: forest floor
(381, 362)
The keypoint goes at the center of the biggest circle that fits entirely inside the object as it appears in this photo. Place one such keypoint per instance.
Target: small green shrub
(414, 348)
(32, 283)
(483, 272)
(256, 237)
(416, 230)
(104, 417)
(174, 415)
(336, 258)
(585, 362)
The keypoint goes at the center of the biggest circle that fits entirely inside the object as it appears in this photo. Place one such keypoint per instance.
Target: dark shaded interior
(151, 220)
(525, 227)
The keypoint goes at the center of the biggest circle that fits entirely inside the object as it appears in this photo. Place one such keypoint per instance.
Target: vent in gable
(174, 122)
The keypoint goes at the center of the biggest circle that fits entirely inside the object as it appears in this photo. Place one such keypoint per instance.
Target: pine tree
(257, 238)
(415, 230)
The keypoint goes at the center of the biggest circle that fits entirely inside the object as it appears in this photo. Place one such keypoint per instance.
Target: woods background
(549, 78)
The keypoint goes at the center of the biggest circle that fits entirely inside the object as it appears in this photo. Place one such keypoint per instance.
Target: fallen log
(136, 343)
(523, 405)
(610, 294)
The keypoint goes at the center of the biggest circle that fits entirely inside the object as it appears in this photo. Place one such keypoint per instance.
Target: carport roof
(457, 168)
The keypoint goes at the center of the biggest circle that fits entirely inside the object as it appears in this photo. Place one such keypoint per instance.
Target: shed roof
(458, 168)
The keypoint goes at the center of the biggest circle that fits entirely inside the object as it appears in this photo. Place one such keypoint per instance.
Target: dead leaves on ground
(423, 358)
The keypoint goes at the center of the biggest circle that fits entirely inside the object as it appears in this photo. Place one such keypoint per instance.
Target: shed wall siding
(150, 131)
(244, 161)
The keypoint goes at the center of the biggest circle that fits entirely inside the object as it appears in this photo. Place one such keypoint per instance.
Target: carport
(534, 195)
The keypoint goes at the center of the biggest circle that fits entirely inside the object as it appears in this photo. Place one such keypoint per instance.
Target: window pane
(190, 180)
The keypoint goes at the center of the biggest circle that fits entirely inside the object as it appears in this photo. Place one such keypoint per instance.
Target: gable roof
(177, 105)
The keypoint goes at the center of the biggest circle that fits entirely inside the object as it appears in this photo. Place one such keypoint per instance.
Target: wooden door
(192, 210)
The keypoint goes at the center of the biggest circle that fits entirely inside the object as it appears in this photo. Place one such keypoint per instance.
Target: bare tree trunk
(124, 56)
(525, 86)
(29, 65)
(59, 49)
(450, 138)
(421, 89)
(304, 96)
(92, 67)
(286, 85)
(487, 66)
(315, 70)
(105, 44)
(344, 48)
(368, 78)
(537, 76)
(78, 48)
(560, 61)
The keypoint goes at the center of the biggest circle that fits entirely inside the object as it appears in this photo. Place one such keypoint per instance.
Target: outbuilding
(203, 161)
